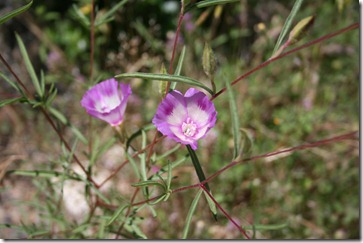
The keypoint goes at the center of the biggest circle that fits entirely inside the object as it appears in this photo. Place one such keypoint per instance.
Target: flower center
(189, 128)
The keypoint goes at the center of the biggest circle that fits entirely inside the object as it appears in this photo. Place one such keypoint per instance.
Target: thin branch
(323, 38)
(243, 232)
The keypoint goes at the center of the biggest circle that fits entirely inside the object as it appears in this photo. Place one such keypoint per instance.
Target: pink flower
(107, 101)
(186, 119)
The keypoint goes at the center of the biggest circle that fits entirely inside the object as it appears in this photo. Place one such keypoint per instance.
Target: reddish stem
(323, 38)
(346, 136)
(224, 212)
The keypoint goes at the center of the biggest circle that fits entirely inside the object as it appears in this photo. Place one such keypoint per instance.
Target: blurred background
(310, 95)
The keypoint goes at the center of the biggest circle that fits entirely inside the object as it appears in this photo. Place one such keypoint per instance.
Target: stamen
(189, 128)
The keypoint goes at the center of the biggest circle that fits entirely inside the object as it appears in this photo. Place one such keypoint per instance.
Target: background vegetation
(308, 96)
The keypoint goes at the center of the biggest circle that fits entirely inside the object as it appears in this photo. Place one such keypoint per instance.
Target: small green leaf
(149, 183)
(191, 212)
(29, 66)
(212, 205)
(12, 100)
(80, 16)
(81, 228)
(168, 182)
(78, 134)
(116, 214)
(108, 16)
(15, 12)
(134, 166)
(58, 115)
(246, 143)
(166, 78)
(287, 25)
(13, 84)
(266, 227)
(235, 120)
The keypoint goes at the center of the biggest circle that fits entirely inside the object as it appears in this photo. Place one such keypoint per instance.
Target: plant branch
(264, 64)
(224, 212)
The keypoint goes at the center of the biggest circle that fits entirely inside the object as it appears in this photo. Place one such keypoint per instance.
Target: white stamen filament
(189, 128)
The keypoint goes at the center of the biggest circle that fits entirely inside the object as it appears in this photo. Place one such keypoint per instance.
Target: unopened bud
(300, 30)
(163, 85)
(209, 61)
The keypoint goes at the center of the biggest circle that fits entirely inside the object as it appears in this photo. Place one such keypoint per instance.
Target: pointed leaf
(287, 24)
(190, 213)
(29, 66)
(235, 120)
(15, 12)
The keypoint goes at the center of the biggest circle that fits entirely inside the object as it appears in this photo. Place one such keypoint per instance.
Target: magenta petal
(186, 119)
(107, 101)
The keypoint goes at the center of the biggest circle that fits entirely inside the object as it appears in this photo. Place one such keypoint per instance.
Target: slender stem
(325, 37)
(224, 212)
(180, 21)
(197, 166)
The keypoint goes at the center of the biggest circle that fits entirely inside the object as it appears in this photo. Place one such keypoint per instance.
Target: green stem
(197, 166)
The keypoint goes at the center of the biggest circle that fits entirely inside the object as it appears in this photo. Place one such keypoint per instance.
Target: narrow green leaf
(116, 214)
(138, 232)
(134, 166)
(211, 204)
(168, 181)
(178, 67)
(78, 134)
(235, 120)
(80, 16)
(10, 101)
(208, 3)
(41, 173)
(266, 227)
(29, 66)
(15, 12)
(191, 212)
(101, 230)
(81, 228)
(42, 82)
(143, 157)
(246, 142)
(13, 84)
(287, 25)
(149, 183)
(58, 115)
(98, 151)
(169, 152)
(108, 16)
(166, 78)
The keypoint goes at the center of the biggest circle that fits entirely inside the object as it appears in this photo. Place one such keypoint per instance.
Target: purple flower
(107, 101)
(186, 119)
